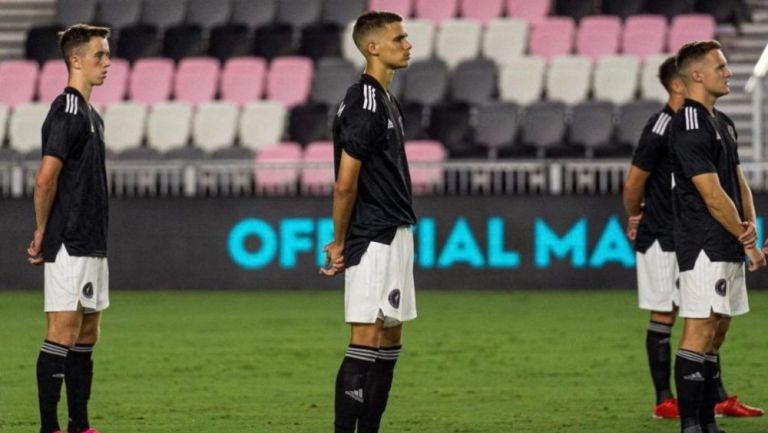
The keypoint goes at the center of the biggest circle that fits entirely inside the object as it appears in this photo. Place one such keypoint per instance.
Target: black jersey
(702, 144)
(652, 155)
(369, 127)
(74, 133)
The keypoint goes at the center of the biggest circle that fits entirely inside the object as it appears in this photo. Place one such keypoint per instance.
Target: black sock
(659, 358)
(79, 375)
(689, 378)
(721, 392)
(377, 389)
(350, 386)
(50, 375)
(710, 398)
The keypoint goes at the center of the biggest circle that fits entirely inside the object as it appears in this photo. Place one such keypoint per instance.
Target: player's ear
(372, 47)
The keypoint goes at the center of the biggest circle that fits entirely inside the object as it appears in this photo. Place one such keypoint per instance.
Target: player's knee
(89, 333)
(63, 335)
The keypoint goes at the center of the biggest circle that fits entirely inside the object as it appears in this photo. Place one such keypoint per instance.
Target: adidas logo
(356, 395)
(696, 377)
(664, 341)
(390, 125)
(58, 375)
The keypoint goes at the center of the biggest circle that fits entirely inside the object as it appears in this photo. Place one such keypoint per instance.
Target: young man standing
(648, 202)
(714, 228)
(372, 216)
(71, 235)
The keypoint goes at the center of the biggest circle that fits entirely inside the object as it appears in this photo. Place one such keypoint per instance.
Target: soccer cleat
(667, 409)
(731, 406)
(90, 430)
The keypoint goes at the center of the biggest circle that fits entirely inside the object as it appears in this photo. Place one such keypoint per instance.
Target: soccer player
(372, 216)
(650, 226)
(713, 228)
(71, 235)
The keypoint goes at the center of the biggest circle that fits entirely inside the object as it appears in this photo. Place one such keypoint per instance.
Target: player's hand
(35, 249)
(632, 223)
(334, 260)
(756, 258)
(749, 238)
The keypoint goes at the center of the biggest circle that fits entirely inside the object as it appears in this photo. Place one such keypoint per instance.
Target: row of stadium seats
(452, 41)
(293, 81)
(177, 130)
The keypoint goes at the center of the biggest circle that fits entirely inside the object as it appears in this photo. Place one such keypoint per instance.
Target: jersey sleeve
(650, 150)
(63, 132)
(694, 149)
(361, 126)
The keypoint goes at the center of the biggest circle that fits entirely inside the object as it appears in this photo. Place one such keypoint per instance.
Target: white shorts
(657, 274)
(381, 285)
(713, 287)
(70, 281)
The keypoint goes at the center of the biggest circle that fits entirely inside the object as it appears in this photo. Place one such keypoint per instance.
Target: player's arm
(719, 205)
(344, 196)
(46, 183)
(634, 189)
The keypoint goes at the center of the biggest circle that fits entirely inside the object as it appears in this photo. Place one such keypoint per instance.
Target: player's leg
(79, 373)
(380, 378)
(353, 374)
(61, 334)
(727, 405)
(697, 340)
(659, 351)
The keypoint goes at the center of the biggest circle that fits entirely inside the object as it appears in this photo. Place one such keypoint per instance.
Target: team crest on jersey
(394, 298)
(88, 290)
(721, 286)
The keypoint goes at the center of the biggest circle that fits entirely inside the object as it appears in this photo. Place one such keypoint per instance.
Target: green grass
(472, 362)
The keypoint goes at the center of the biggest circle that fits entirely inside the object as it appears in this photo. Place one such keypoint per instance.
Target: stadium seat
(474, 82)
(497, 127)
(24, 128)
(276, 179)
(457, 40)
(151, 81)
(228, 41)
(69, 12)
(521, 80)
(482, 11)
(598, 36)
(208, 14)
(124, 125)
(215, 126)
(333, 76)
(169, 125)
(576, 9)
(505, 39)
(308, 123)
(273, 40)
(233, 153)
(18, 82)
(320, 40)
(615, 79)
(421, 33)
(415, 117)
(115, 86)
(262, 123)
(118, 14)
(289, 80)
(426, 82)
(318, 179)
(139, 41)
(424, 158)
(724, 11)
(644, 35)
(342, 12)
(592, 127)
(632, 119)
(164, 13)
(42, 43)
(568, 79)
(531, 10)
(52, 81)
(622, 8)
(299, 13)
(543, 126)
(243, 79)
(688, 28)
(6, 153)
(181, 41)
(450, 124)
(349, 50)
(402, 7)
(669, 8)
(196, 80)
(436, 11)
(650, 87)
(552, 37)
(253, 13)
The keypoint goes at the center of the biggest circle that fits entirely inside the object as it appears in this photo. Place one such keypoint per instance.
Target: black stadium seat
(449, 124)
(308, 123)
(623, 8)
(320, 40)
(273, 40)
(732, 11)
(229, 40)
(592, 128)
(184, 40)
(332, 78)
(43, 43)
(543, 127)
(415, 121)
(669, 8)
(341, 12)
(474, 81)
(118, 14)
(497, 127)
(138, 42)
(576, 9)
(632, 119)
(254, 13)
(426, 82)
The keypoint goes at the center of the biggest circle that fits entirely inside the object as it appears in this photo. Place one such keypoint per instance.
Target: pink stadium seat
(481, 10)
(552, 37)
(531, 10)
(115, 86)
(18, 79)
(197, 79)
(151, 80)
(644, 35)
(402, 7)
(289, 80)
(688, 28)
(424, 158)
(598, 36)
(278, 179)
(436, 11)
(318, 179)
(53, 80)
(242, 80)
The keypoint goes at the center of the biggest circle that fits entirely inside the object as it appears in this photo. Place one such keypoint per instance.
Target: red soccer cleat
(667, 409)
(731, 406)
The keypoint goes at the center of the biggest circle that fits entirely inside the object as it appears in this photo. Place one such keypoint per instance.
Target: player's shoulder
(692, 117)
(362, 101)
(658, 123)
(68, 105)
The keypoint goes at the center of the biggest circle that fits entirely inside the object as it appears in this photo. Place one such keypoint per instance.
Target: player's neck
(676, 102)
(704, 98)
(381, 73)
(81, 86)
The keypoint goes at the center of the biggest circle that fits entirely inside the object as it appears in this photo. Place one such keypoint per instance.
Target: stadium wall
(476, 243)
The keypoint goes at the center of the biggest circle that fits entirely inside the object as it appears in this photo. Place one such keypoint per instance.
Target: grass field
(473, 362)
